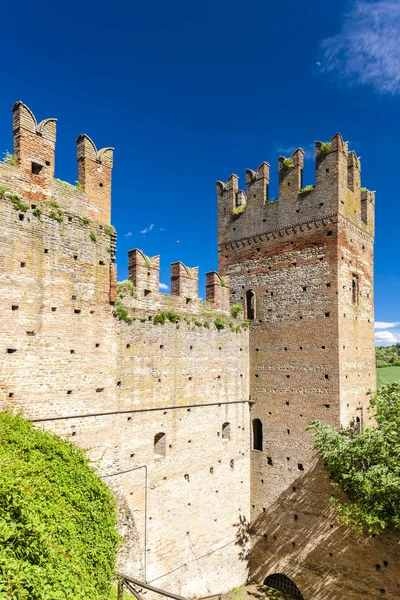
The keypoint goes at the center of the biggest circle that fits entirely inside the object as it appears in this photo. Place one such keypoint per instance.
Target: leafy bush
(244, 324)
(206, 325)
(3, 191)
(122, 314)
(288, 162)
(18, 204)
(56, 215)
(159, 318)
(57, 519)
(173, 317)
(236, 310)
(219, 323)
(366, 466)
(93, 236)
(198, 323)
(325, 148)
(85, 221)
(36, 212)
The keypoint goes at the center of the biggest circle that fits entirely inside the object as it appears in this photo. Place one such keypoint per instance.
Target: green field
(386, 375)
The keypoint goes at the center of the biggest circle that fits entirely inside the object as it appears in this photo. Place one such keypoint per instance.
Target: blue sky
(190, 91)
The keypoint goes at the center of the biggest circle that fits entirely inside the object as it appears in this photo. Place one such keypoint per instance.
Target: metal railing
(131, 584)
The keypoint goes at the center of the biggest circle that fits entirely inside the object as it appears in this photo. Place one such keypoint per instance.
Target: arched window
(280, 582)
(257, 434)
(226, 431)
(250, 305)
(160, 445)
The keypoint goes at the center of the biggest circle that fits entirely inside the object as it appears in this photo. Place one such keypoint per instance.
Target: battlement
(337, 189)
(30, 173)
(144, 272)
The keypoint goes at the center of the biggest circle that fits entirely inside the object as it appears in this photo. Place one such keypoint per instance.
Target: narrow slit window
(355, 289)
(257, 434)
(250, 305)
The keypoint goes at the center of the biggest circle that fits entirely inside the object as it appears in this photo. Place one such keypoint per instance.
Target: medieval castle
(197, 418)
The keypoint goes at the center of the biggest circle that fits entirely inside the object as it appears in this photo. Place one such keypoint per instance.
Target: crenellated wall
(162, 407)
(164, 388)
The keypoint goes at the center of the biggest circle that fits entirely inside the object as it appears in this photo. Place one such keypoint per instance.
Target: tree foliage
(366, 466)
(57, 519)
(388, 356)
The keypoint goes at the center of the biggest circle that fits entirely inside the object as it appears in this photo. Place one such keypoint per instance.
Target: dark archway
(280, 582)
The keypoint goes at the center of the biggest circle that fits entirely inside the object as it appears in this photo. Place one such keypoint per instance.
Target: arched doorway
(280, 582)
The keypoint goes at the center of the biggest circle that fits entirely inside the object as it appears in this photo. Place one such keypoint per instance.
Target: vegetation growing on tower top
(325, 148)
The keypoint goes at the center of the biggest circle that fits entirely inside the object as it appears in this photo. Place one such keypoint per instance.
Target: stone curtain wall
(70, 365)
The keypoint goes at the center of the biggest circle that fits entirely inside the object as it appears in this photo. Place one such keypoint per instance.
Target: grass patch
(236, 310)
(325, 148)
(93, 236)
(306, 190)
(109, 230)
(289, 163)
(238, 210)
(18, 204)
(386, 375)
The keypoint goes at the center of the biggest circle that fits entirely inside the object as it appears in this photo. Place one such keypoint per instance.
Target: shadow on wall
(300, 538)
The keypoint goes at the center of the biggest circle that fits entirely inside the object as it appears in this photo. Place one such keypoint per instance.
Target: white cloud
(147, 229)
(288, 151)
(128, 234)
(386, 338)
(164, 286)
(385, 325)
(367, 50)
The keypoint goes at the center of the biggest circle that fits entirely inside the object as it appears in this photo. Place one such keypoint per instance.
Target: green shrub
(245, 324)
(56, 215)
(219, 323)
(198, 323)
(93, 236)
(57, 518)
(79, 186)
(3, 191)
(53, 204)
(159, 318)
(223, 281)
(366, 466)
(173, 317)
(10, 159)
(206, 325)
(18, 204)
(122, 314)
(109, 230)
(236, 310)
(36, 212)
(289, 163)
(143, 319)
(325, 148)
(85, 221)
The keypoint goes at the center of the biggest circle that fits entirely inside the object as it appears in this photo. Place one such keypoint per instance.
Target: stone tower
(302, 267)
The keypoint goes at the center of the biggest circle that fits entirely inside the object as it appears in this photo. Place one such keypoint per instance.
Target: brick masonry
(166, 410)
